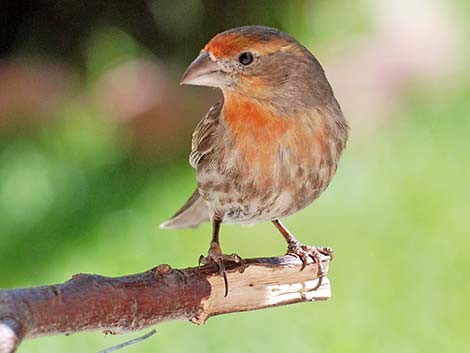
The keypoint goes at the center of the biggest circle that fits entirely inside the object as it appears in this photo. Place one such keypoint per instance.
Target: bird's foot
(304, 252)
(215, 256)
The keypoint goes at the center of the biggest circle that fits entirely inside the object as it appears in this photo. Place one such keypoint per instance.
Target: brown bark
(92, 302)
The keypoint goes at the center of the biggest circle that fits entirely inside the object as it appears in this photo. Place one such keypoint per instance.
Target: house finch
(272, 145)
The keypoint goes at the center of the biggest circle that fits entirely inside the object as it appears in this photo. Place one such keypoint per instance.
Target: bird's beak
(204, 71)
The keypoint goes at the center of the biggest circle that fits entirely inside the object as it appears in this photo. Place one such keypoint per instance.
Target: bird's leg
(215, 255)
(296, 248)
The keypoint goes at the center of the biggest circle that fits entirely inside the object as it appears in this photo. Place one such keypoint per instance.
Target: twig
(122, 304)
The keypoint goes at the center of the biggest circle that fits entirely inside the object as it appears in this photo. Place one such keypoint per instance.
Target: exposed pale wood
(91, 302)
(262, 285)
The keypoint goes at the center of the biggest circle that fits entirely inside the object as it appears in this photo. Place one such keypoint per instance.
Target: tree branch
(122, 304)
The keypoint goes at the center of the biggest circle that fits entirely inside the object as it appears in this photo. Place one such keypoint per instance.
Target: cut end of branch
(9, 336)
(263, 284)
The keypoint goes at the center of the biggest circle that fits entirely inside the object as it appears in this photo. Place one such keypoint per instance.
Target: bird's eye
(245, 58)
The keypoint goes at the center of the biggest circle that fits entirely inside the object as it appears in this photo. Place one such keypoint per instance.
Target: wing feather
(205, 134)
(195, 210)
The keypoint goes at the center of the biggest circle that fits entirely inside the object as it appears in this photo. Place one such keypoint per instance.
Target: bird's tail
(194, 212)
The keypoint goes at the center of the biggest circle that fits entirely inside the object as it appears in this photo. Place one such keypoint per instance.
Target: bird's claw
(304, 252)
(215, 256)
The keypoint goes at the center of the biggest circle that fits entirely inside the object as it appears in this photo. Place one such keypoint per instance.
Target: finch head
(262, 63)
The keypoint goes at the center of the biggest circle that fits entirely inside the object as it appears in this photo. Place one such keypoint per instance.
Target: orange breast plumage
(268, 165)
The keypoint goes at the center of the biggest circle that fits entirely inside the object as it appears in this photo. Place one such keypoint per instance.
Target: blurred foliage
(172, 28)
(77, 194)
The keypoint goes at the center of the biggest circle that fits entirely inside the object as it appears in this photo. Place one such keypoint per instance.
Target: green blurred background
(95, 133)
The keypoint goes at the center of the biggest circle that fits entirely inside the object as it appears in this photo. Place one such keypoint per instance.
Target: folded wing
(195, 211)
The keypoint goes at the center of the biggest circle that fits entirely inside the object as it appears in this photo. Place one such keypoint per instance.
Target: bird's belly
(255, 198)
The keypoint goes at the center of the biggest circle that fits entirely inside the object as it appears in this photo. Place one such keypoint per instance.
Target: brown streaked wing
(204, 135)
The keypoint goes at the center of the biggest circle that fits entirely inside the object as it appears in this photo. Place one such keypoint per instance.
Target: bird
(270, 147)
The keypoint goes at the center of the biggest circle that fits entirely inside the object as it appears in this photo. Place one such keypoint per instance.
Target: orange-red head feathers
(262, 64)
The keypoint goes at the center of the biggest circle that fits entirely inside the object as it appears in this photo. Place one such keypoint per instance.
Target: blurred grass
(396, 215)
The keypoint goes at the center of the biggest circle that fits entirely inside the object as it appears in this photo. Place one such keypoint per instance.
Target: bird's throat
(253, 122)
